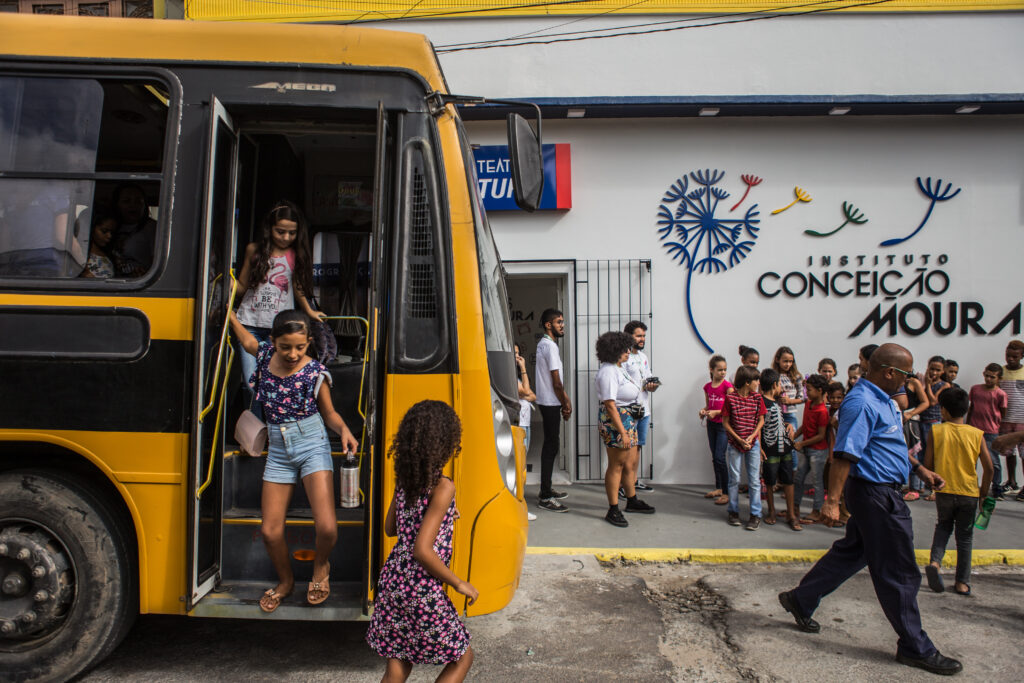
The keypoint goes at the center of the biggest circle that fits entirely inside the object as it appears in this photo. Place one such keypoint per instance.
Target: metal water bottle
(350, 482)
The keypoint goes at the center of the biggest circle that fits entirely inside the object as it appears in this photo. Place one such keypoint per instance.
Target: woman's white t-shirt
(614, 383)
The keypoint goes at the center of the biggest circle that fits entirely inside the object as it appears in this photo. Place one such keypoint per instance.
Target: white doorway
(534, 286)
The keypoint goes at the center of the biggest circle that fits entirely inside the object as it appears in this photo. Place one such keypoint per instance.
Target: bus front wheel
(66, 577)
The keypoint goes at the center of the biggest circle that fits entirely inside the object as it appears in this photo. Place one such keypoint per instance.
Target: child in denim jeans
(953, 453)
(813, 448)
(743, 416)
(988, 406)
(296, 397)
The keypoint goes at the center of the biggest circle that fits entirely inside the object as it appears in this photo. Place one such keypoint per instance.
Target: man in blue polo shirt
(870, 458)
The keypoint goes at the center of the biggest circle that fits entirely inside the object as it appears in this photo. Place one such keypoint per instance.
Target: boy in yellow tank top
(953, 453)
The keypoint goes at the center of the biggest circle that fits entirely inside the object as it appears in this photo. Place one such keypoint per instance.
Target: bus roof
(187, 41)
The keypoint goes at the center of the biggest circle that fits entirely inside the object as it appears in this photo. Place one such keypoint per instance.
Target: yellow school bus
(121, 491)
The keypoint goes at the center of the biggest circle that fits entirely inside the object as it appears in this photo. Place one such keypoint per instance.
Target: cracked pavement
(576, 619)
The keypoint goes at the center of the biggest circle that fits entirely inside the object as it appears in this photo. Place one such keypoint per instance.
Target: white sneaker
(530, 516)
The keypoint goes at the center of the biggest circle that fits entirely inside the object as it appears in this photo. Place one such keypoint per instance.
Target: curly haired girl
(414, 621)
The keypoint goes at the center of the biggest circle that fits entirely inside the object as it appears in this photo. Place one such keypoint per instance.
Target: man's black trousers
(879, 535)
(552, 416)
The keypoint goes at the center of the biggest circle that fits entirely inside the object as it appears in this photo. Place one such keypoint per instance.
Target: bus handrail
(223, 339)
(366, 356)
(220, 421)
(362, 382)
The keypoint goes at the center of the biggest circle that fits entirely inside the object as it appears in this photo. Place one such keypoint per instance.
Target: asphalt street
(576, 619)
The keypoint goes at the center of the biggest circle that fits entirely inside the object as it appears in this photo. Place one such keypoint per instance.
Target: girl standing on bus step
(414, 621)
(277, 274)
(297, 403)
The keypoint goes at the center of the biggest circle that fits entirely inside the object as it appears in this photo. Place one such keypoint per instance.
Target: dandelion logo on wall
(697, 236)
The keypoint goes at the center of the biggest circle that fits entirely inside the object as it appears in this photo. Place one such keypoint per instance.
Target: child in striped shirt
(743, 416)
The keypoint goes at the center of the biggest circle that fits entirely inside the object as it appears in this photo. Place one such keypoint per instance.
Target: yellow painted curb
(745, 555)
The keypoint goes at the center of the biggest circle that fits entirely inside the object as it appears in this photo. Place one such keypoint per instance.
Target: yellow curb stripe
(744, 555)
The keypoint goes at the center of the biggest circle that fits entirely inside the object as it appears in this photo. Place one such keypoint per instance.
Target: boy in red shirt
(813, 448)
(743, 416)
(988, 408)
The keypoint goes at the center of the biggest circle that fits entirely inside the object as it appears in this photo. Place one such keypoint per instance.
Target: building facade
(820, 176)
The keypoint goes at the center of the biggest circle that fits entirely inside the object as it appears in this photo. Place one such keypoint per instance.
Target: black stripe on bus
(146, 395)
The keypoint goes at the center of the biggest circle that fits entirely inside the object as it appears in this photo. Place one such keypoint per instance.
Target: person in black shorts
(776, 450)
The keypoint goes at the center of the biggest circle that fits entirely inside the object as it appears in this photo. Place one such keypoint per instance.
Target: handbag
(250, 431)
(323, 339)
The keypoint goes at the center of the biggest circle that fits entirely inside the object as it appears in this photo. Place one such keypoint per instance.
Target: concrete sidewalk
(685, 519)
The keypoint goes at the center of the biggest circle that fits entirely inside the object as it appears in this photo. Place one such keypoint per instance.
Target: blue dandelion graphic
(698, 239)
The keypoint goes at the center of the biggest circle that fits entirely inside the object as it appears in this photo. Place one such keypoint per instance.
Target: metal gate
(609, 293)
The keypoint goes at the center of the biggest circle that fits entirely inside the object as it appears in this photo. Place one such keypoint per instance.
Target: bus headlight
(504, 444)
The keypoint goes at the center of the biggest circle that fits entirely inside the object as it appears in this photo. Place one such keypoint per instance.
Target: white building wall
(622, 168)
(888, 54)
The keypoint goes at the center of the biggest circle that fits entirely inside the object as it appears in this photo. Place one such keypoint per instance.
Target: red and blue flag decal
(495, 178)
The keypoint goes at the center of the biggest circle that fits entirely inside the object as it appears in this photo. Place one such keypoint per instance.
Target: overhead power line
(619, 32)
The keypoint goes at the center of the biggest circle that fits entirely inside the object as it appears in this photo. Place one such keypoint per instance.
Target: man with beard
(639, 368)
(553, 403)
(870, 457)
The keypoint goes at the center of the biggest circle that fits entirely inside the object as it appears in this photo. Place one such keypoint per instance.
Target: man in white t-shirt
(640, 368)
(552, 402)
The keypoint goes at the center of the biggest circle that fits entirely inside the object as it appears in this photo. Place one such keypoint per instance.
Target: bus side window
(77, 127)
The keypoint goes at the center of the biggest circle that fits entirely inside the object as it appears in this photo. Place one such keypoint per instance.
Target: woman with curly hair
(619, 411)
(414, 621)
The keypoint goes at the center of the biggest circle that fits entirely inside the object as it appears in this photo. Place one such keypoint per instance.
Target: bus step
(240, 600)
(241, 515)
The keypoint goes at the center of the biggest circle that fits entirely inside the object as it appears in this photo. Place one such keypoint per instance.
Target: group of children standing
(752, 422)
(752, 425)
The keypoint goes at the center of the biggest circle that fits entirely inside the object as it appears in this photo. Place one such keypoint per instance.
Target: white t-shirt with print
(614, 383)
(548, 359)
(639, 368)
(524, 412)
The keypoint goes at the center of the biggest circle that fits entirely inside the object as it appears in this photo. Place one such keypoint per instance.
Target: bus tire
(67, 585)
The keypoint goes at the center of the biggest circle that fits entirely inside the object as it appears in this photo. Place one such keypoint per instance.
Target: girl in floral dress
(414, 621)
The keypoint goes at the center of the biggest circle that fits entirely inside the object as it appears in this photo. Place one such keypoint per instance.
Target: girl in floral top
(296, 403)
(414, 621)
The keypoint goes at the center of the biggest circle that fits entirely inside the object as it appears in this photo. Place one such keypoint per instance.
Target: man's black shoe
(552, 504)
(640, 486)
(554, 495)
(615, 518)
(734, 519)
(936, 663)
(637, 505)
(805, 624)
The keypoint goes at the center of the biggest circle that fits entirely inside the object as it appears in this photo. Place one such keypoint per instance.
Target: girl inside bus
(297, 404)
(277, 274)
(99, 264)
(413, 620)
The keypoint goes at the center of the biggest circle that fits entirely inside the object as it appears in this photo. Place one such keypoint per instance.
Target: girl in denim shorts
(296, 405)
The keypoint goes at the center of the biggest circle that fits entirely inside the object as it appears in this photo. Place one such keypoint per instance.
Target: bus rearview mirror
(527, 162)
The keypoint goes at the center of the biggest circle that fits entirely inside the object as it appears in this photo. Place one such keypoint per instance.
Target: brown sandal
(319, 591)
(722, 500)
(713, 494)
(794, 524)
(769, 520)
(271, 600)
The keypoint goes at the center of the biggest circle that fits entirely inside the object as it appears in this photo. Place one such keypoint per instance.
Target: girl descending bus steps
(297, 403)
(277, 275)
(413, 620)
